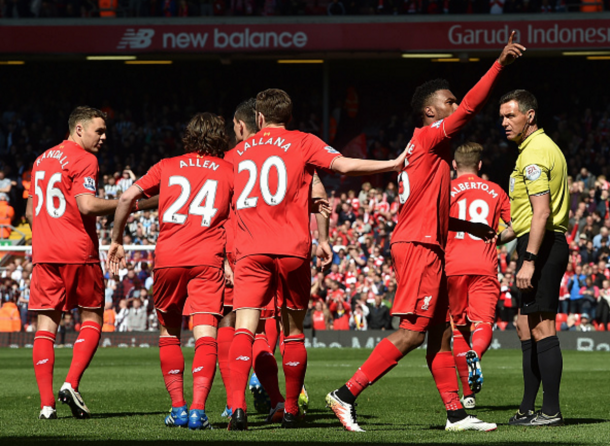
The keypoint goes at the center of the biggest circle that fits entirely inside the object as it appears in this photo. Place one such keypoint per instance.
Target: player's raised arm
(476, 98)
(324, 251)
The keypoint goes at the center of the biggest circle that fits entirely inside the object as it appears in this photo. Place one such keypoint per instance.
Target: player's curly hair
(423, 94)
(206, 134)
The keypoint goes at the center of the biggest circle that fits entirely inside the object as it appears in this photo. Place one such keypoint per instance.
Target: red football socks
(442, 366)
(43, 355)
(265, 367)
(272, 332)
(481, 339)
(460, 348)
(240, 361)
(382, 359)
(84, 349)
(295, 366)
(204, 367)
(172, 367)
(225, 337)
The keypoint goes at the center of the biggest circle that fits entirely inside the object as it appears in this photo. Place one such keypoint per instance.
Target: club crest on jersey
(532, 172)
(426, 304)
(437, 124)
(89, 184)
(329, 149)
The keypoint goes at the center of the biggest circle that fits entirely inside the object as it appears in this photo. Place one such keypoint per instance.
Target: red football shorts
(65, 287)
(259, 279)
(473, 298)
(271, 309)
(203, 285)
(421, 295)
(230, 290)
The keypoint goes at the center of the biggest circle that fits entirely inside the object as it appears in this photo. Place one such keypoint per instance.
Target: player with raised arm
(273, 177)
(194, 190)
(67, 274)
(417, 248)
(471, 266)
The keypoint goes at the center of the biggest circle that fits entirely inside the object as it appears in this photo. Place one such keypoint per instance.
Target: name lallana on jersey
(461, 187)
(271, 141)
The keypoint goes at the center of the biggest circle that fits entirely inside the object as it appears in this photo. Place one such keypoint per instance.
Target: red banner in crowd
(96, 38)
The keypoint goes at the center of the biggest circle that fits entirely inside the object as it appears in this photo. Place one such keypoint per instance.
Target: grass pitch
(125, 392)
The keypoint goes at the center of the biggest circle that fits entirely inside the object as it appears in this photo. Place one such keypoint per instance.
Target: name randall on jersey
(469, 185)
(54, 154)
(270, 141)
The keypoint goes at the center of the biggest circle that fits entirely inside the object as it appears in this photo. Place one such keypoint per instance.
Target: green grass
(125, 391)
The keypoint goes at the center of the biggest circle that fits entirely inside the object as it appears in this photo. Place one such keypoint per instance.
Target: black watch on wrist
(528, 256)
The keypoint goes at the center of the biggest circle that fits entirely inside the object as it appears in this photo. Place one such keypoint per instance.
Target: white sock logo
(242, 358)
(198, 369)
(42, 361)
(174, 372)
(292, 364)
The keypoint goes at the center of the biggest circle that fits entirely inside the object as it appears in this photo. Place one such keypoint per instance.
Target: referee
(539, 211)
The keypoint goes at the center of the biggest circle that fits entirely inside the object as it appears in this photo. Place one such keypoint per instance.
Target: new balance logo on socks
(42, 361)
(79, 340)
(174, 372)
(242, 358)
(292, 364)
(198, 369)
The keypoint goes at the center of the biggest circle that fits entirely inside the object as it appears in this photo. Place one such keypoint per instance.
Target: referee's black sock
(531, 375)
(551, 366)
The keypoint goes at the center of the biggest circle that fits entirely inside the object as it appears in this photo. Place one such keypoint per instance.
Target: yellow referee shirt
(541, 167)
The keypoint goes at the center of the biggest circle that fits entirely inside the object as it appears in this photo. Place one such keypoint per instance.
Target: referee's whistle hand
(524, 276)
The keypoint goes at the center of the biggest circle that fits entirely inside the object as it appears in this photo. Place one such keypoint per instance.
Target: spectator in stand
(575, 284)
(379, 315)
(10, 318)
(603, 305)
(320, 316)
(590, 295)
(7, 213)
(109, 318)
(341, 312)
(359, 318)
(346, 214)
(121, 317)
(130, 282)
(569, 324)
(137, 316)
(585, 323)
(126, 179)
(587, 253)
(601, 239)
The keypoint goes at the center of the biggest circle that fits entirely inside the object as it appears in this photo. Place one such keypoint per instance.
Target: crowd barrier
(587, 341)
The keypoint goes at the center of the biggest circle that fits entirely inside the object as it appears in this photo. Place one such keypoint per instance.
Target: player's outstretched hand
(325, 253)
(482, 231)
(399, 162)
(320, 206)
(116, 258)
(511, 51)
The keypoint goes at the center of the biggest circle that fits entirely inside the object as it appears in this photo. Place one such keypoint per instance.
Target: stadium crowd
(358, 290)
(17, 9)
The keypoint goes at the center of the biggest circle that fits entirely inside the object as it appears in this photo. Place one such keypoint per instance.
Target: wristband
(137, 205)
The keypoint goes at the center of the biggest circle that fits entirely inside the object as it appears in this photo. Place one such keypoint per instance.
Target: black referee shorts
(550, 267)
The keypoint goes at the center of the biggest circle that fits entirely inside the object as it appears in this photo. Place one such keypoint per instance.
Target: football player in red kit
(418, 245)
(194, 190)
(274, 170)
(471, 266)
(67, 274)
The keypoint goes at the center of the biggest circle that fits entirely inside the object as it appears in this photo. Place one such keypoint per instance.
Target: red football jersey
(424, 181)
(273, 174)
(194, 196)
(477, 200)
(230, 223)
(60, 233)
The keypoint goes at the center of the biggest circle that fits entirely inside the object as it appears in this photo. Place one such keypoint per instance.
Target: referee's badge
(532, 172)
(512, 185)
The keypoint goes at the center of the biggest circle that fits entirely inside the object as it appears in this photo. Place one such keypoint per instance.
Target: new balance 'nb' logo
(292, 364)
(198, 369)
(42, 361)
(142, 38)
(242, 358)
(173, 372)
(79, 340)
